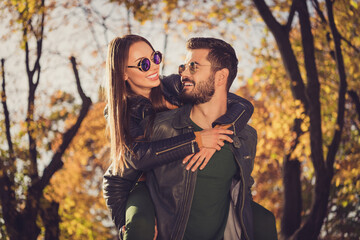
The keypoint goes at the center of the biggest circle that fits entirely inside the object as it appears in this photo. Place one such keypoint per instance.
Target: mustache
(183, 80)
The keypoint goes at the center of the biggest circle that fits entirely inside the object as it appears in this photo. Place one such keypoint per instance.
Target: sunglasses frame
(192, 69)
(139, 66)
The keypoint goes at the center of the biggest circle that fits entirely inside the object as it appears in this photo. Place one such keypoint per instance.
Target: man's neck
(205, 114)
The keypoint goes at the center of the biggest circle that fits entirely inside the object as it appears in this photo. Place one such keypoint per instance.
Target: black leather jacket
(149, 155)
(172, 187)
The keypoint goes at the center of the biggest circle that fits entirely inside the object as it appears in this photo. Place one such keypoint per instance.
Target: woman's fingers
(209, 153)
(198, 162)
(226, 138)
(187, 158)
(201, 158)
(193, 160)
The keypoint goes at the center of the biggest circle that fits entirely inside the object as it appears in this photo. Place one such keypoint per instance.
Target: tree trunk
(291, 219)
(51, 219)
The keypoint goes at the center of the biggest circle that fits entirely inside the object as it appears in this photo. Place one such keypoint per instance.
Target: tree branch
(287, 54)
(56, 162)
(7, 168)
(355, 98)
(39, 44)
(342, 90)
(312, 89)
(6, 114)
(92, 30)
(291, 219)
(316, 5)
(291, 17)
(349, 43)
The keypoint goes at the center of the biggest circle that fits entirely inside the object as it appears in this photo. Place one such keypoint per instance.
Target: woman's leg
(140, 214)
(264, 223)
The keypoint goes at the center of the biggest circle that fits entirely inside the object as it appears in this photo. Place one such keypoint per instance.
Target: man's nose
(186, 72)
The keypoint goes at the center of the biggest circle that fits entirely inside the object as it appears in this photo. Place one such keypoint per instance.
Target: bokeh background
(298, 65)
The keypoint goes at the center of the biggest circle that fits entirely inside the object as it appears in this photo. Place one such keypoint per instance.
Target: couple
(183, 173)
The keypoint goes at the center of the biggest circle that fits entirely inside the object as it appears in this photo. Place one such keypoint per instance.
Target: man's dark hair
(221, 55)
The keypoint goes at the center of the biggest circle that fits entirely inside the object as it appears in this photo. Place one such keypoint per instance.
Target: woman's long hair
(118, 90)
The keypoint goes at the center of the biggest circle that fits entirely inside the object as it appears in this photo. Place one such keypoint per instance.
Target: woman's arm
(146, 155)
(239, 112)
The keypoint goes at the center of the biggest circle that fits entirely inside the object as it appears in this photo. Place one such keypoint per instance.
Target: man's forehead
(197, 55)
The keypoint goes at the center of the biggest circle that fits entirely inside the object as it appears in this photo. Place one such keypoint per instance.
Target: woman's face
(141, 82)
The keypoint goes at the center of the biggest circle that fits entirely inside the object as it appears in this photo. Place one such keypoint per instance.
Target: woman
(134, 93)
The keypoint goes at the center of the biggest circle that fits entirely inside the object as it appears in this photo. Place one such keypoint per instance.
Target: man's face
(198, 81)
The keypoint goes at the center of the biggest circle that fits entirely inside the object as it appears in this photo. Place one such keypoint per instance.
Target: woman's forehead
(139, 50)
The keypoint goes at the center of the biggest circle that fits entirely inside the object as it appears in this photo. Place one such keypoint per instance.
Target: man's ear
(221, 76)
(126, 77)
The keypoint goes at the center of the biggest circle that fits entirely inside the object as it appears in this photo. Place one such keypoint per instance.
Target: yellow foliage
(78, 185)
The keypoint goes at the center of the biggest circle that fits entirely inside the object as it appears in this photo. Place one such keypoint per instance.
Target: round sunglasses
(145, 63)
(193, 67)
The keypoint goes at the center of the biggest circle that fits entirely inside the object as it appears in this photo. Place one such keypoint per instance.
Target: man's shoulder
(249, 133)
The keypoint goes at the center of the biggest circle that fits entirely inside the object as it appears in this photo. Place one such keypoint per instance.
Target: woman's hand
(215, 137)
(201, 157)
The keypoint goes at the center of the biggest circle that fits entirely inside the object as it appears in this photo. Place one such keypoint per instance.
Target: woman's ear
(221, 76)
(126, 77)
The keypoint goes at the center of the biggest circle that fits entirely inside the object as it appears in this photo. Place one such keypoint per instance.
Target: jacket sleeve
(239, 111)
(148, 155)
(116, 190)
(171, 87)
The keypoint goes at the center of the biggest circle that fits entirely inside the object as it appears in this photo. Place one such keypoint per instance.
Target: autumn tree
(315, 67)
(22, 202)
(77, 187)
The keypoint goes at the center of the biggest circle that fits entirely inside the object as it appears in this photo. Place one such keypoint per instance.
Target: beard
(202, 92)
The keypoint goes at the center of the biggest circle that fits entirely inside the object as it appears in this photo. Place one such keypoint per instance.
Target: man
(214, 203)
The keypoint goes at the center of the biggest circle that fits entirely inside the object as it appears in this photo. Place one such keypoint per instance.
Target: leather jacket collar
(182, 119)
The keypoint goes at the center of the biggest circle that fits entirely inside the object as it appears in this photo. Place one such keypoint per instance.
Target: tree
(22, 211)
(300, 59)
(77, 187)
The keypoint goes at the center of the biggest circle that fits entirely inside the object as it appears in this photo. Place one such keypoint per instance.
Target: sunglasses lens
(181, 68)
(192, 67)
(145, 64)
(157, 57)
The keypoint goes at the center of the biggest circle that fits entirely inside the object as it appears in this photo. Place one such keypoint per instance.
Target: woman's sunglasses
(193, 67)
(145, 64)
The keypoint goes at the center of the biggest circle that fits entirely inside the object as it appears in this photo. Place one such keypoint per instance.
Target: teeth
(153, 75)
(188, 84)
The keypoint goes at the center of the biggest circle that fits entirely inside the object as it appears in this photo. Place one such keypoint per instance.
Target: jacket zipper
(183, 144)
(233, 123)
(242, 200)
(187, 201)
(186, 208)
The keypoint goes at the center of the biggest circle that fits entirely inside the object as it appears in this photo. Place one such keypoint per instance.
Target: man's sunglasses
(193, 67)
(145, 64)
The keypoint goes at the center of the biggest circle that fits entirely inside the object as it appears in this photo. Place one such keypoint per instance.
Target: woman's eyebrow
(138, 59)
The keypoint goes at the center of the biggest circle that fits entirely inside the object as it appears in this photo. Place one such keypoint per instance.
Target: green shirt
(210, 205)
